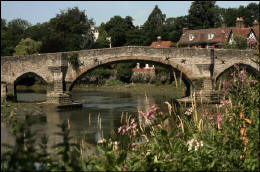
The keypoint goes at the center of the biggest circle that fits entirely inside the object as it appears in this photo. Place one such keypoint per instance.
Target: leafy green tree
(117, 27)
(240, 42)
(229, 16)
(174, 27)
(102, 41)
(27, 46)
(136, 36)
(124, 71)
(203, 15)
(153, 26)
(251, 13)
(11, 34)
(5, 43)
(70, 30)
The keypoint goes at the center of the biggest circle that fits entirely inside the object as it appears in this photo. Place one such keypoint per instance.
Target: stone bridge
(200, 67)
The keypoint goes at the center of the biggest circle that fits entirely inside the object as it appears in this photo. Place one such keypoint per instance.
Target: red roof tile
(161, 44)
(201, 36)
(221, 35)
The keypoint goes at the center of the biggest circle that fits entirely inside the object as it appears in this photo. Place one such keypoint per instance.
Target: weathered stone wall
(226, 58)
(200, 66)
(193, 63)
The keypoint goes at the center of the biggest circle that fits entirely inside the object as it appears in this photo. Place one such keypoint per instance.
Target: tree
(251, 13)
(27, 46)
(70, 30)
(229, 16)
(117, 27)
(102, 41)
(11, 34)
(203, 15)
(174, 28)
(124, 71)
(153, 26)
(5, 43)
(135, 36)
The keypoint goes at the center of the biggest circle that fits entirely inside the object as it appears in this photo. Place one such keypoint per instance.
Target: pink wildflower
(210, 117)
(124, 168)
(166, 157)
(128, 128)
(119, 129)
(177, 135)
(134, 132)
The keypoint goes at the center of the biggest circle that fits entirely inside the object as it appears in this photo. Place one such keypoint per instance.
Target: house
(216, 37)
(95, 33)
(142, 68)
(203, 38)
(161, 44)
(249, 32)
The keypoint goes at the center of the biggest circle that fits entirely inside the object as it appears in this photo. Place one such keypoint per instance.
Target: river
(104, 104)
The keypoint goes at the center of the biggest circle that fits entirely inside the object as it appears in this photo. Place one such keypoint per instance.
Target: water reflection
(100, 115)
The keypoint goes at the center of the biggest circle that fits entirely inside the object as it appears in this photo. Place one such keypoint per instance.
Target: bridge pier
(56, 90)
(203, 91)
(8, 92)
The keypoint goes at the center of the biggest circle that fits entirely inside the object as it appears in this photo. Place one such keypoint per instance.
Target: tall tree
(174, 28)
(153, 26)
(203, 14)
(117, 27)
(229, 16)
(13, 32)
(70, 30)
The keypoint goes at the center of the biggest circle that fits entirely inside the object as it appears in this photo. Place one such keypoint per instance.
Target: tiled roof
(201, 36)
(221, 35)
(241, 31)
(161, 44)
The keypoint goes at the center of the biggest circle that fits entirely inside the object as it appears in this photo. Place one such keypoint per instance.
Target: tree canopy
(203, 15)
(27, 46)
(72, 30)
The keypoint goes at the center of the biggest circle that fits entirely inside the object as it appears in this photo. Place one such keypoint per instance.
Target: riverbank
(134, 88)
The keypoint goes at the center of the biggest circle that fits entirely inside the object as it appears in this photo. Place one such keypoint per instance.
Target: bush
(111, 82)
(73, 59)
(124, 71)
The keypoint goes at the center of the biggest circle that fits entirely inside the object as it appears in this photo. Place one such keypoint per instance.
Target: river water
(99, 104)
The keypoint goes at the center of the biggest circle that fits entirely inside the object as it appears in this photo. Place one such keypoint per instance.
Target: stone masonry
(200, 67)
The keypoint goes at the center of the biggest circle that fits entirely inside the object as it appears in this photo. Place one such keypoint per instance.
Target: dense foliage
(72, 30)
(27, 46)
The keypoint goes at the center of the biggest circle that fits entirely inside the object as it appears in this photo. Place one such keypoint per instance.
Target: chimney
(255, 24)
(240, 22)
(159, 38)
(184, 29)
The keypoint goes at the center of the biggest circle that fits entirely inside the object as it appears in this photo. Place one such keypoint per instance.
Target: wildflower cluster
(251, 42)
(194, 143)
(127, 129)
(215, 119)
(224, 102)
(150, 113)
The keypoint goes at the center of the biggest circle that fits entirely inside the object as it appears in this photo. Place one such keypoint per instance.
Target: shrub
(73, 59)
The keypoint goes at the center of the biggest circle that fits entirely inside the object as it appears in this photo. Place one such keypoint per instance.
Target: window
(210, 36)
(191, 37)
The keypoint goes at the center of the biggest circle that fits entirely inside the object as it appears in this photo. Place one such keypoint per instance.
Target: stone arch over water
(186, 75)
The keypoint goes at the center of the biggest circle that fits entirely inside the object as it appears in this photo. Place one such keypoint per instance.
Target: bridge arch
(25, 76)
(187, 76)
(252, 69)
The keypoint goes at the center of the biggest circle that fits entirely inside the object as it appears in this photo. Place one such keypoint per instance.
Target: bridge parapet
(200, 66)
